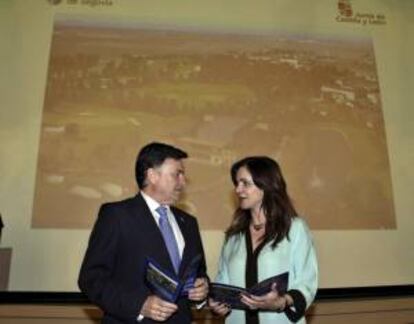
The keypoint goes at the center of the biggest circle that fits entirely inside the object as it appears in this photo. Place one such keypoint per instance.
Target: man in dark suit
(126, 232)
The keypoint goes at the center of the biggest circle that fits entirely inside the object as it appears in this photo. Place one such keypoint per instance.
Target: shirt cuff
(296, 311)
(201, 305)
(140, 317)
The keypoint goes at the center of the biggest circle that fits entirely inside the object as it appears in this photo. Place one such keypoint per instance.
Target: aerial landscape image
(311, 102)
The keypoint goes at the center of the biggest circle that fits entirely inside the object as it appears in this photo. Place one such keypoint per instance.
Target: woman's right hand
(218, 308)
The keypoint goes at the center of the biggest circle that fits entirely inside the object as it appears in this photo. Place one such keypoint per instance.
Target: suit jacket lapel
(153, 236)
(185, 231)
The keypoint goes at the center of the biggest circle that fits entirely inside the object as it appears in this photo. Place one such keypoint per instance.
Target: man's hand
(199, 291)
(157, 308)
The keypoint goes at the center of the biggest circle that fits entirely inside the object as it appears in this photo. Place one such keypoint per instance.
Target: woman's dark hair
(277, 206)
(153, 155)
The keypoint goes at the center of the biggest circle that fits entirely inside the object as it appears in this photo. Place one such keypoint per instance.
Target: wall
(25, 29)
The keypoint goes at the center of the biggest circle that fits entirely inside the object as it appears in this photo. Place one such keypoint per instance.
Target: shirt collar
(152, 203)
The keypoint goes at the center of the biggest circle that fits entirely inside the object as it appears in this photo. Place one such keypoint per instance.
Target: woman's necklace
(258, 227)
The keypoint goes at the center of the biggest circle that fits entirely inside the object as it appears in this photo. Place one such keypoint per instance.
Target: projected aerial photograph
(311, 102)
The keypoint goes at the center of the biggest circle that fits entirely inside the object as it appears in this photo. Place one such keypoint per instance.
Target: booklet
(231, 294)
(166, 284)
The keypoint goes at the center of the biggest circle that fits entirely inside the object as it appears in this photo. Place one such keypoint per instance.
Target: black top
(251, 278)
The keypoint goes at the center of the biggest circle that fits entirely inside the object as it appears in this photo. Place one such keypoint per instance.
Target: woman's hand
(218, 308)
(270, 301)
(199, 291)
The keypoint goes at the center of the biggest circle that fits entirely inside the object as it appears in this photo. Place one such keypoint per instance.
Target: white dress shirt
(153, 205)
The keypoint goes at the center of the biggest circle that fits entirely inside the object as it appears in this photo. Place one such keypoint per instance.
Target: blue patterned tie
(169, 238)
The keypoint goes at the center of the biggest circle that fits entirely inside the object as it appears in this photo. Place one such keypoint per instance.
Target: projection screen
(322, 87)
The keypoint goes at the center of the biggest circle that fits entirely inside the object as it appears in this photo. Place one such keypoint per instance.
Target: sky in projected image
(313, 103)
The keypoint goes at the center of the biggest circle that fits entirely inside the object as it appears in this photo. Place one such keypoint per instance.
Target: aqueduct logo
(345, 8)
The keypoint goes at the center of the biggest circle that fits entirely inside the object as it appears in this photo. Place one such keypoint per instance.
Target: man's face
(168, 181)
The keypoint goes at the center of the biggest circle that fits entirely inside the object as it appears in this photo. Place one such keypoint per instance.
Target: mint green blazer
(296, 255)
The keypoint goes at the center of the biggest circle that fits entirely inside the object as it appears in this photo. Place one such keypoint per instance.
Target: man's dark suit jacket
(112, 273)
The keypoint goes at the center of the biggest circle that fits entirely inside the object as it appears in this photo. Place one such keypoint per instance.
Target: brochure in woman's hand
(231, 295)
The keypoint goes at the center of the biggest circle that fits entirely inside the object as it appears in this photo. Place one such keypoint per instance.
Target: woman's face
(250, 196)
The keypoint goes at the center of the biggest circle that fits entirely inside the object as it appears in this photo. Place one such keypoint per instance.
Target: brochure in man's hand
(167, 285)
(231, 295)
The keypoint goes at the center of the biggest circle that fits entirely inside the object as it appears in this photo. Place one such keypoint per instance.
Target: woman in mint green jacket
(266, 238)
